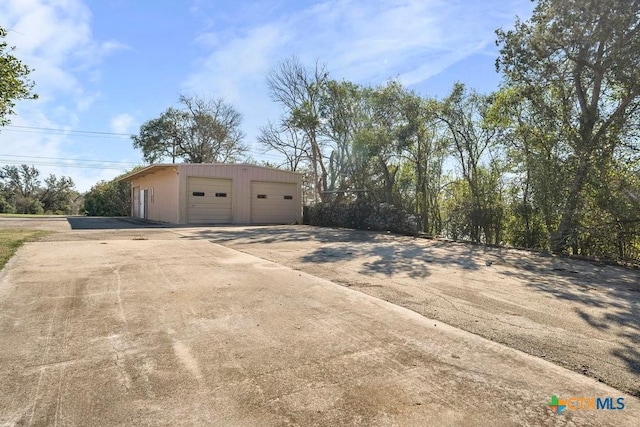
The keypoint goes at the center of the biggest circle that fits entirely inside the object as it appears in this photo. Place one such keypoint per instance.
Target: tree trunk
(389, 181)
(565, 235)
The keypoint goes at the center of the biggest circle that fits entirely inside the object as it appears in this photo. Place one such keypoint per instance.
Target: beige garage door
(274, 203)
(208, 200)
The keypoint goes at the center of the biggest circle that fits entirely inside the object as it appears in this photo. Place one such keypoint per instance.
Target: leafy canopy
(203, 131)
(14, 84)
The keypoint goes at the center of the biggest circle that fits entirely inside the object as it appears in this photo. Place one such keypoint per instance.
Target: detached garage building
(203, 193)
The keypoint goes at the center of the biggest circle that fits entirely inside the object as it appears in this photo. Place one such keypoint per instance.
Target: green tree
(457, 207)
(472, 138)
(14, 84)
(22, 192)
(385, 131)
(425, 149)
(577, 63)
(535, 152)
(203, 131)
(108, 198)
(346, 112)
(58, 195)
(23, 180)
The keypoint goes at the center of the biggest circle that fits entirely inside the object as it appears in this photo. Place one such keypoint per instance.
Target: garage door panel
(207, 197)
(272, 207)
(215, 213)
(208, 206)
(205, 207)
(273, 202)
(208, 192)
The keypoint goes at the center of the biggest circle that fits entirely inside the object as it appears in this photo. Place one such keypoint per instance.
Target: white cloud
(84, 179)
(358, 37)
(113, 46)
(237, 73)
(122, 123)
(210, 40)
(242, 62)
(361, 41)
(48, 37)
(55, 40)
(438, 63)
(381, 39)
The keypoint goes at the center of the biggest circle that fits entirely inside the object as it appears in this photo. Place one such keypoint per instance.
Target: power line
(100, 134)
(14, 31)
(68, 159)
(65, 165)
(120, 138)
(71, 159)
(93, 132)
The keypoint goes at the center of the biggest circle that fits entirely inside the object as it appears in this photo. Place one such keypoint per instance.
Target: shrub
(363, 216)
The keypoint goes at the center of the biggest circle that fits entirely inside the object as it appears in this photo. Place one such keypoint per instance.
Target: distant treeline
(22, 191)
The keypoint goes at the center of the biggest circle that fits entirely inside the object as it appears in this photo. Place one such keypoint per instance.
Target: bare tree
(291, 143)
(299, 90)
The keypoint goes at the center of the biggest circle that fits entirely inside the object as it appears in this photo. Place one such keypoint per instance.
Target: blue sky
(110, 65)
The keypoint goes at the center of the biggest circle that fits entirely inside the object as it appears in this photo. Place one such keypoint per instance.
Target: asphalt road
(134, 326)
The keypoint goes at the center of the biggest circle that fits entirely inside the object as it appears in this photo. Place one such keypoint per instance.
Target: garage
(216, 193)
(273, 203)
(208, 200)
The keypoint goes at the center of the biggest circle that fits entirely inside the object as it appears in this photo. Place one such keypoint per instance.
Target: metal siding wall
(165, 190)
(242, 192)
(182, 195)
(242, 175)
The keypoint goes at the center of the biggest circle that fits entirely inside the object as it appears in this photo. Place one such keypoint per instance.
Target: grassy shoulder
(13, 215)
(12, 239)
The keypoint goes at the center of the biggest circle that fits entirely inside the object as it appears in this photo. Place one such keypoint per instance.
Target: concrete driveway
(582, 315)
(163, 327)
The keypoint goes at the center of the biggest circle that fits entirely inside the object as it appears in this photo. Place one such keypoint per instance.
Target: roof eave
(145, 171)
